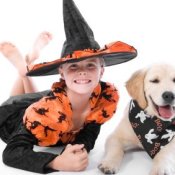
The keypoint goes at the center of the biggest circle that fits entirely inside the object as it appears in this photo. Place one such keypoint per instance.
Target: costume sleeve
(19, 153)
(88, 136)
(47, 119)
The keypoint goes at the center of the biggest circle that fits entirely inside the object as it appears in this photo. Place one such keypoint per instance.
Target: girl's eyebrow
(93, 60)
(69, 64)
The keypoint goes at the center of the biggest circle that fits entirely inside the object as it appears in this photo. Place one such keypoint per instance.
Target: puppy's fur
(146, 86)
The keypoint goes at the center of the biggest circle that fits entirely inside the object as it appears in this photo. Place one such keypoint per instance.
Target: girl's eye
(91, 66)
(73, 66)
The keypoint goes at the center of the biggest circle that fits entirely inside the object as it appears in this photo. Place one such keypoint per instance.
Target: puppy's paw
(163, 168)
(107, 167)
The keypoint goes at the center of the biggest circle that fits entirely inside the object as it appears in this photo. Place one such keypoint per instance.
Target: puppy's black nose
(168, 96)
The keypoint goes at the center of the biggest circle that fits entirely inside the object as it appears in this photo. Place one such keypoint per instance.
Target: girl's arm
(88, 136)
(73, 158)
(19, 153)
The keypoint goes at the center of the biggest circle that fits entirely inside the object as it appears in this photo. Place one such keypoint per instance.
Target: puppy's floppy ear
(135, 87)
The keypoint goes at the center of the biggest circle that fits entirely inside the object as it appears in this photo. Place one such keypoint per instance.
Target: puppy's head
(154, 90)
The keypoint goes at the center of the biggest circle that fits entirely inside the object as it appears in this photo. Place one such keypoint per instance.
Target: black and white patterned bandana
(152, 132)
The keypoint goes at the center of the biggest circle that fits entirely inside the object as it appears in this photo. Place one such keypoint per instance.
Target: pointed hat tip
(79, 35)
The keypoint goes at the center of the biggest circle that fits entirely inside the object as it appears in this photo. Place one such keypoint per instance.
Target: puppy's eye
(174, 80)
(155, 80)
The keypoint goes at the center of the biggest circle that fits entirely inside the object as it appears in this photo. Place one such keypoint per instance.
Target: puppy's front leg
(164, 161)
(113, 155)
(122, 139)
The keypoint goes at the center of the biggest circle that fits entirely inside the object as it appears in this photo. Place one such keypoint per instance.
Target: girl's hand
(74, 158)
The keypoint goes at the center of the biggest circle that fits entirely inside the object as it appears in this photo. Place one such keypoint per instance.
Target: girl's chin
(80, 89)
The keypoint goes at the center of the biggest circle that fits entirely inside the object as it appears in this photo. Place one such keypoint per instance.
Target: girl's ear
(102, 71)
(60, 70)
(62, 76)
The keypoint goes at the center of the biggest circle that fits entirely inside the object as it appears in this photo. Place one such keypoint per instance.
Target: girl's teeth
(82, 81)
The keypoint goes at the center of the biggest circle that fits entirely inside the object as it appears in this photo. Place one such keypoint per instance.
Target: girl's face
(82, 77)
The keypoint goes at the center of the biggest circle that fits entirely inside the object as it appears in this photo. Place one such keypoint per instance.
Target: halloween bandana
(152, 132)
(50, 119)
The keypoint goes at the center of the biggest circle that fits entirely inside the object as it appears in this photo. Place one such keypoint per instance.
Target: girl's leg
(41, 41)
(18, 87)
(24, 84)
(15, 57)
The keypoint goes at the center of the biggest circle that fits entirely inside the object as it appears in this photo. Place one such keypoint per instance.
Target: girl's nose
(82, 73)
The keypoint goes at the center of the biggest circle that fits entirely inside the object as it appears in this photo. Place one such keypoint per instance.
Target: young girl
(72, 112)
(81, 91)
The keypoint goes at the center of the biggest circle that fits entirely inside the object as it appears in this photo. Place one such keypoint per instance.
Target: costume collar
(59, 90)
(152, 132)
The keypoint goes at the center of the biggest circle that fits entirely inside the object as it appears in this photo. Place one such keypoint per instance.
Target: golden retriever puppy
(148, 122)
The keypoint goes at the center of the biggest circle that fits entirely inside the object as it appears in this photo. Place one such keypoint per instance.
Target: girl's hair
(102, 62)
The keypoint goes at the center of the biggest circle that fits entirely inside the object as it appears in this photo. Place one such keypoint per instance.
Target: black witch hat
(79, 35)
(80, 44)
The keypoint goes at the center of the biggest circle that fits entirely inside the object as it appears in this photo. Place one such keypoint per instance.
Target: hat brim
(113, 54)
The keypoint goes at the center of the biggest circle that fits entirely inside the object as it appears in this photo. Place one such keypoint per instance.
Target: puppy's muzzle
(168, 97)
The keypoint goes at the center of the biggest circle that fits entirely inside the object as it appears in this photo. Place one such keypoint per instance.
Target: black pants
(12, 111)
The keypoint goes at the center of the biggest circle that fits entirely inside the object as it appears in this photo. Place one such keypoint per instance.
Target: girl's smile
(82, 81)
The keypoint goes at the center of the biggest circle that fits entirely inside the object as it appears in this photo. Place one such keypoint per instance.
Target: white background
(147, 25)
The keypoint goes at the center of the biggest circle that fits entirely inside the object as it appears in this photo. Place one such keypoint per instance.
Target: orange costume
(50, 119)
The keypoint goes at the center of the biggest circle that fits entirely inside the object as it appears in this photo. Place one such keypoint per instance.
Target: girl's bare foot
(11, 52)
(42, 40)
